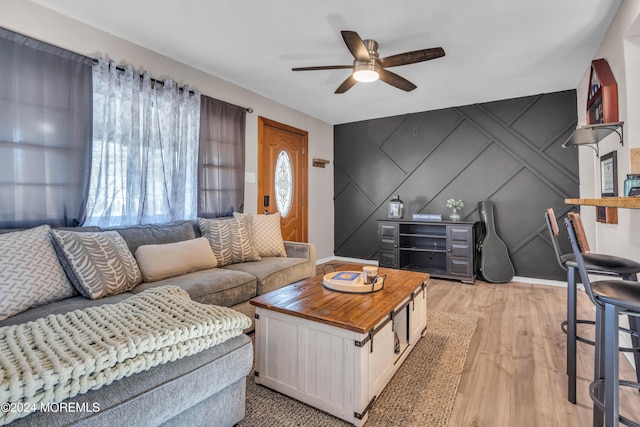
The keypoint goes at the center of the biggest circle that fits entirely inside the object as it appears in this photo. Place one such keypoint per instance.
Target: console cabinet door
(388, 238)
(460, 251)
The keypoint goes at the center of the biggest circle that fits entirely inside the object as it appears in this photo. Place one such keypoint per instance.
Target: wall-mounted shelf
(591, 135)
(611, 202)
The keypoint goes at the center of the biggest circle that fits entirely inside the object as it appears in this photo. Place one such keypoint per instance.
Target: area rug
(421, 393)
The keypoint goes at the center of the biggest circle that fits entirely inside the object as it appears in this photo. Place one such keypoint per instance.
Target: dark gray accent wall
(508, 152)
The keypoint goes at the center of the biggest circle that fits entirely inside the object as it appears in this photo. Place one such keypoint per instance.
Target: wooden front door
(282, 176)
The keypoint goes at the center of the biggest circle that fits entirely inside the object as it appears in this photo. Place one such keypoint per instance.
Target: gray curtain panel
(221, 158)
(45, 133)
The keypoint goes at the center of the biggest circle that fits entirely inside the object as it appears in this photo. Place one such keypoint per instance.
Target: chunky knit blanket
(64, 355)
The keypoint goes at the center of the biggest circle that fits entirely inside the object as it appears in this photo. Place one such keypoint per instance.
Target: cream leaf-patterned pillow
(99, 264)
(266, 233)
(30, 273)
(230, 239)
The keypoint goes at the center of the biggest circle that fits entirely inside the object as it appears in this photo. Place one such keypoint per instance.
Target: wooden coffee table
(337, 351)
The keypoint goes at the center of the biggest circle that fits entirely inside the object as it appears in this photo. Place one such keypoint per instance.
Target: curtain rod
(160, 82)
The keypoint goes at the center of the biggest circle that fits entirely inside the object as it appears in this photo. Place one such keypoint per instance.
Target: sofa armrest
(301, 250)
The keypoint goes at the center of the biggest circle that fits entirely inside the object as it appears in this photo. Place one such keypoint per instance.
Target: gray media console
(443, 249)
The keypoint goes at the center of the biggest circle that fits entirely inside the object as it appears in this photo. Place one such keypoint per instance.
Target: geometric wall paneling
(340, 182)
(506, 151)
(418, 135)
(378, 130)
(362, 161)
(358, 206)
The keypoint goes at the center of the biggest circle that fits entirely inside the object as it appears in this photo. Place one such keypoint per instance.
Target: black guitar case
(495, 265)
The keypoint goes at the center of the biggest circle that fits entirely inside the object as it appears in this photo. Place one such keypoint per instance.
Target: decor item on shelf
(602, 102)
(396, 208)
(455, 205)
(632, 181)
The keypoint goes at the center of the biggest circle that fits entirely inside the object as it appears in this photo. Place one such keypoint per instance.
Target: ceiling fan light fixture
(366, 72)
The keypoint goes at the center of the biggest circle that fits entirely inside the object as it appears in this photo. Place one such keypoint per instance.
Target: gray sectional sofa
(207, 388)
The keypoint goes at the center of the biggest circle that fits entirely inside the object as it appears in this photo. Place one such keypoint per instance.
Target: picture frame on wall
(609, 174)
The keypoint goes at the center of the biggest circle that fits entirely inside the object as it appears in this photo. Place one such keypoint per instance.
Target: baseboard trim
(536, 281)
(346, 259)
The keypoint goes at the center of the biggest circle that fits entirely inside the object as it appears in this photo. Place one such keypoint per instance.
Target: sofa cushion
(159, 262)
(154, 397)
(213, 286)
(155, 234)
(28, 262)
(230, 239)
(266, 233)
(274, 272)
(98, 264)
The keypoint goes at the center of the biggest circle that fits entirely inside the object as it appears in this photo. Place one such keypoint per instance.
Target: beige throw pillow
(266, 234)
(230, 239)
(159, 262)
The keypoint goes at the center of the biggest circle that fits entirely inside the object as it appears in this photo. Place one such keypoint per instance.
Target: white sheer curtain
(145, 149)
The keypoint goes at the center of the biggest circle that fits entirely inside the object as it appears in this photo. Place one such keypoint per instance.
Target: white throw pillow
(158, 262)
(266, 233)
(30, 273)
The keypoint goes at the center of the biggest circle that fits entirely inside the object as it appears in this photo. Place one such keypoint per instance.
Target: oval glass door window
(284, 183)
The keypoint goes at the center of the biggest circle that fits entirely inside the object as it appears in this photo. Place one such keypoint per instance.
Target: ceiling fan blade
(346, 85)
(356, 45)
(412, 57)
(325, 67)
(395, 80)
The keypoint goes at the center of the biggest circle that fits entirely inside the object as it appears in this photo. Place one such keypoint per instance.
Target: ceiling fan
(368, 67)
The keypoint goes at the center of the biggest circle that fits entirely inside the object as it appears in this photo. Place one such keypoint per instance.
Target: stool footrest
(563, 326)
(598, 385)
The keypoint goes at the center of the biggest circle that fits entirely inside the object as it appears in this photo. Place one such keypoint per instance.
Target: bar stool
(611, 298)
(600, 264)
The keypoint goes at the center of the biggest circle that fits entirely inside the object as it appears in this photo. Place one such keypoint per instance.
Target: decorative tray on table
(351, 281)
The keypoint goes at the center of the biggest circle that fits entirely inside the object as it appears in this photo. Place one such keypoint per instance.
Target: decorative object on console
(427, 217)
(396, 208)
(455, 205)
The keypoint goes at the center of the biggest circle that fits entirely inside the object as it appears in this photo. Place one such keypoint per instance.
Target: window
(45, 133)
(145, 149)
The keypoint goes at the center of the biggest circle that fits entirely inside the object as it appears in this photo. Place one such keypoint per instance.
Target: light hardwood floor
(515, 369)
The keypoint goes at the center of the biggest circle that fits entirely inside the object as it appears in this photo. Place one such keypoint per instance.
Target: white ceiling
(495, 49)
